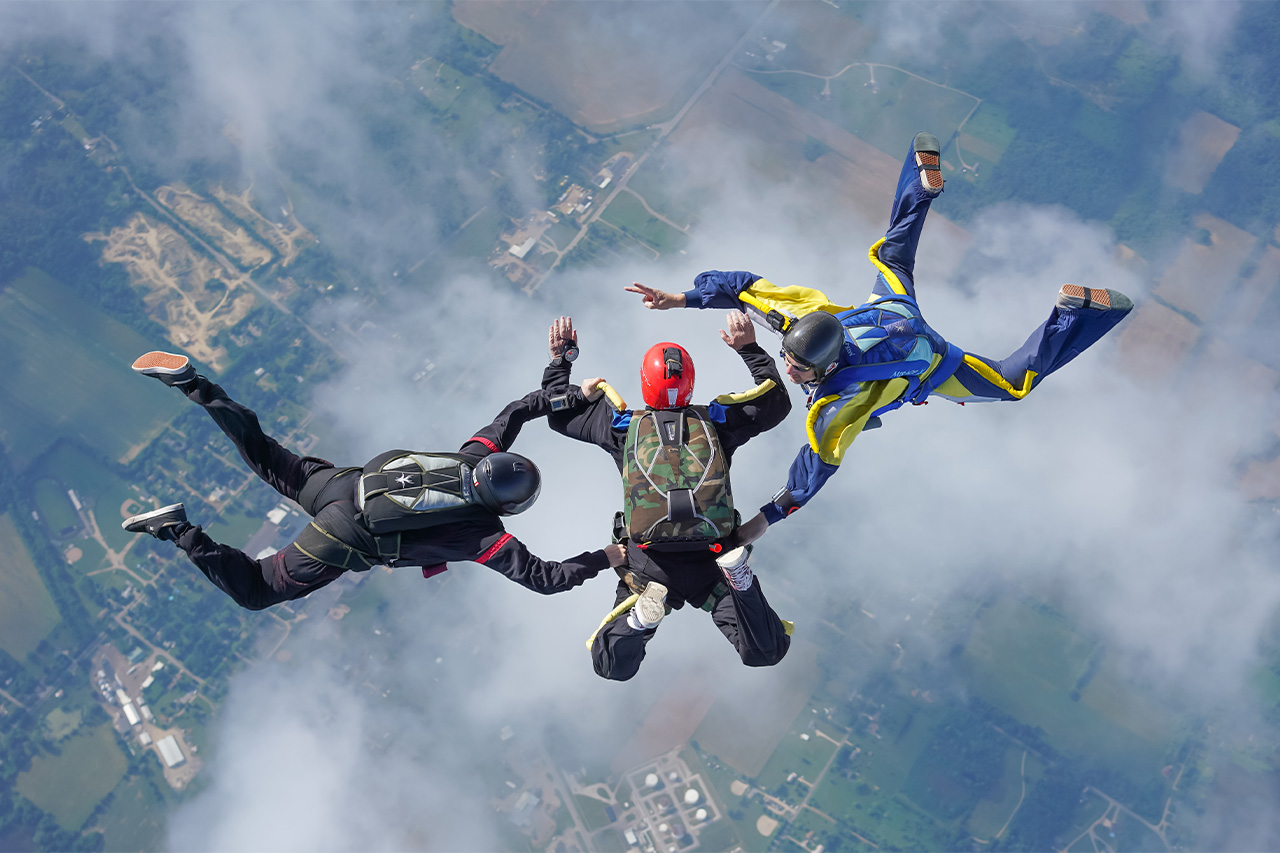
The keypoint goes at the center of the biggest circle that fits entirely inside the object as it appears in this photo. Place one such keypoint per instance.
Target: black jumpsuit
(745, 618)
(290, 574)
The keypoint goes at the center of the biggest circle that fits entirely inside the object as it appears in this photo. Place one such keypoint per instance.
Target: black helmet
(815, 340)
(507, 483)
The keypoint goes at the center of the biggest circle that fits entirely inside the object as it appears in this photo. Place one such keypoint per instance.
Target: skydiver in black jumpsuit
(473, 533)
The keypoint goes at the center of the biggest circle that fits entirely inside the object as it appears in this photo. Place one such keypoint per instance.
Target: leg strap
(627, 603)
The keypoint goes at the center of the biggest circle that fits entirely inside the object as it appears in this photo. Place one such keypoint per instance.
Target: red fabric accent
(792, 509)
(432, 571)
(486, 442)
(494, 548)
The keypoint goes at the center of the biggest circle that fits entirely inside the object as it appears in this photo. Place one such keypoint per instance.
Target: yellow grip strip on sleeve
(848, 422)
(985, 370)
(614, 397)
(627, 603)
(890, 277)
(746, 396)
(815, 411)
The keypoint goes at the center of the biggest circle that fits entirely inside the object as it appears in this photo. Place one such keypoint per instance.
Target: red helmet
(666, 377)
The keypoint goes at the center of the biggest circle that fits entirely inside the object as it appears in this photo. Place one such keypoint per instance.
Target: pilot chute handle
(775, 318)
(615, 398)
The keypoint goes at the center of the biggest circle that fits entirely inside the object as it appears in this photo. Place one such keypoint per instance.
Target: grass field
(96, 397)
(1027, 660)
(805, 757)
(888, 115)
(628, 213)
(69, 786)
(480, 235)
(97, 486)
(561, 233)
(592, 811)
(136, 818)
(546, 53)
(55, 508)
(669, 186)
(27, 611)
(993, 810)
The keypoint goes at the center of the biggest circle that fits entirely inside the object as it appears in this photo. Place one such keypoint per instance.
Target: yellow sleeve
(764, 296)
(835, 421)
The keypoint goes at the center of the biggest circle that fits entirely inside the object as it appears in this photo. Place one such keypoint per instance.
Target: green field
(96, 399)
(991, 812)
(97, 486)
(887, 116)
(803, 756)
(55, 507)
(670, 186)
(136, 818)
(1027, 660)
(627, 212)
(59, 723)
(27, 611)
(69, 786)
(478, 238)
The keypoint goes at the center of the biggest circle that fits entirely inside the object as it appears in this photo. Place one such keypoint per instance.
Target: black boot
(170, 368)
(167, 523)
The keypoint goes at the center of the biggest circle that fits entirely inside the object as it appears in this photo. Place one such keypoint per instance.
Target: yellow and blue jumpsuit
(888, 331)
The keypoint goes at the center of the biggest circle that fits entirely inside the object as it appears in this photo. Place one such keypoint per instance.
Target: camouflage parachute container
(675, 483)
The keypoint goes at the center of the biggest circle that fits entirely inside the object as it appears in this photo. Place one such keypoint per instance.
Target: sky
(1115, 496)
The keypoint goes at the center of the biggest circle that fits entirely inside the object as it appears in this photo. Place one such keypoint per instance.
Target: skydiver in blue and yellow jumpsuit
(858, 363)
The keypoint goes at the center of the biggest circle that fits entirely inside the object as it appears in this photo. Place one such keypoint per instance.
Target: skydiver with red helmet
(678, 523)
(403, 508)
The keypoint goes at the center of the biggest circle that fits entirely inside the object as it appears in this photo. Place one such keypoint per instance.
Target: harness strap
(627, 603)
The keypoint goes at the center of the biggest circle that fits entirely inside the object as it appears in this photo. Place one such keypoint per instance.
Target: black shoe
(169, 368)
(165, 523)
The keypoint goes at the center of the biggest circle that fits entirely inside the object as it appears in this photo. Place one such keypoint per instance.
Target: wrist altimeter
(568, 355)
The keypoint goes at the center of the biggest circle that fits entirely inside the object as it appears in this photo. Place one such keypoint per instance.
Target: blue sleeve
(807, 475)
(716, 289)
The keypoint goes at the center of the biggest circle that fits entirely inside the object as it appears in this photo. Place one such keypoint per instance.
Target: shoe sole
(733, 559)
(928, 161)
(159, 363)
(143, 518)
(651, 605)
(1085, 297)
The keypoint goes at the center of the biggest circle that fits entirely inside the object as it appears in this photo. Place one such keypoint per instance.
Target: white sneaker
(734, 566)
(650, 607)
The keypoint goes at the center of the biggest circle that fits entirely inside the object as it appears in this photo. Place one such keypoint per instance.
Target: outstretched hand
(658, 300)
(751, 530)
(741, 330)
(561, 336)
(617, 555)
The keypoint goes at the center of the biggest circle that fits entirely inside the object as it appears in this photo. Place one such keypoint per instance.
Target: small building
(523, 249)
(144, 737)
(170, 752)
(130, 714)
